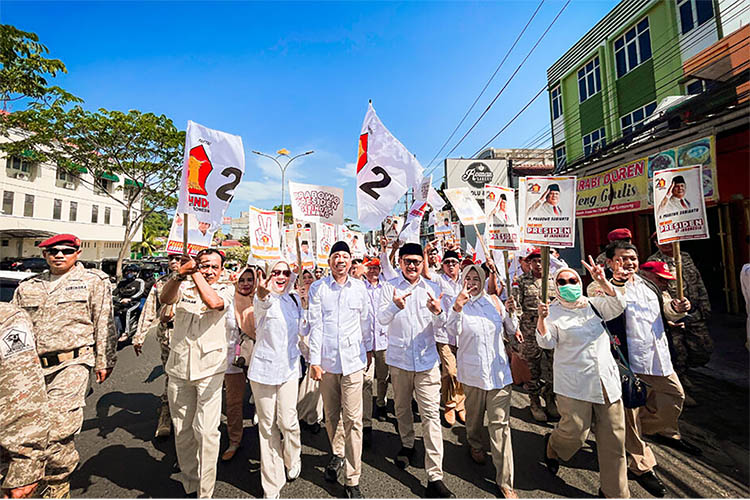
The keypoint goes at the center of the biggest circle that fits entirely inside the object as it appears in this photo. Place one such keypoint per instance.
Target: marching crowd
(440, 329)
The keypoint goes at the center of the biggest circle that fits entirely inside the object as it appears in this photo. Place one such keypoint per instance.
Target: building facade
(39, 200)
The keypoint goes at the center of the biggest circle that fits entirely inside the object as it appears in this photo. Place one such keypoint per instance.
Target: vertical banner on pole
(500, 211)
(265, 239)
(196, 234)
(679, 205)
(548, 211)
(326, 237)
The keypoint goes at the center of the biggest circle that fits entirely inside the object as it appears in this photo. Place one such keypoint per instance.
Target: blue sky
(299, 75)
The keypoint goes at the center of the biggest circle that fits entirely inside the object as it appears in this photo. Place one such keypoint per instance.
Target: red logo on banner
(362, 152)
(199, 166)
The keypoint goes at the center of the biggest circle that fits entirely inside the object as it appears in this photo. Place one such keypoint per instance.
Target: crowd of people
(322, 347)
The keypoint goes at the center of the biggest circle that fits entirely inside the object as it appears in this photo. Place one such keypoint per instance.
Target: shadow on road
(134, 413)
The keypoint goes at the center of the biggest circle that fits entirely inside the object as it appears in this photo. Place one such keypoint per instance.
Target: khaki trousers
(425, 386)
(367, 382)
(277, 416)
(381, 375)
(658, 416)
(496, 403)
(195, 407)
(234, 385)
(342, 397)
(573, 428)
(309, 400)
(451, 391)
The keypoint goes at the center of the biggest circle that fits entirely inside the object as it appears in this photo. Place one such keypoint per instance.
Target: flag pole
(185, 234)
(507, 271)
(677, 256)
(545, 273)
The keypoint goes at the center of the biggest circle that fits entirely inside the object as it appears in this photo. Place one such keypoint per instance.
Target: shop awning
(109, 177)
(131, 182)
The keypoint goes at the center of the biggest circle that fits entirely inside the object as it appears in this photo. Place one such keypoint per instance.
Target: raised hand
(462, 298)
(681, 305)
(595, 270)
(187, 266)
(400, 300)
(433, 304)
(543, 310)
(383, 244)
(262, 288)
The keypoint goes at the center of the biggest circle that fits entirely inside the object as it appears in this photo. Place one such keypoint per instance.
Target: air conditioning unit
(69, 185)
(22, 176)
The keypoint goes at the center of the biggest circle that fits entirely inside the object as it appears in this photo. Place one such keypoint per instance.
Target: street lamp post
(279, 154)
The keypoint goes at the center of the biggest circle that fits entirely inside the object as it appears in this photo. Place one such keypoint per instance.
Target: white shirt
(233, 333)
(547, 210)
(450, 290)
(278, 323)
(378, 331)
(386, 269)
(648, 350)
(481, 357)
(675, 205)
(411, 334)
(339, 333)
(583, 360)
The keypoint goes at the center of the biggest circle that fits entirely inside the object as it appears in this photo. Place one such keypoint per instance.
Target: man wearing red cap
(621, 234)
(377, 373)
(71, 308)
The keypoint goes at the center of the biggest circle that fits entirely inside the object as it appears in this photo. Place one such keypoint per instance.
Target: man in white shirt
(410, 307)
(340, 346)
(675, 200)
(648, 355)
(377, 372)
(196, 365)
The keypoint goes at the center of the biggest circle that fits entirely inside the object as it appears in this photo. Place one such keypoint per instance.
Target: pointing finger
(405, 295)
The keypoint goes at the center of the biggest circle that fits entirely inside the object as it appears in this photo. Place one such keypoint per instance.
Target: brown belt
(48, 360)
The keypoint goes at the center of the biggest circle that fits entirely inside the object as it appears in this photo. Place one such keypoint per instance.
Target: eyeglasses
(571, 281)
(209, 266)
(450, 262)
(413, 262)
(65, 251)
(285, 272)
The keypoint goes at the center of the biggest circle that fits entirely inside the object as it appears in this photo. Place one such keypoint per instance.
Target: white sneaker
(294, 472)
(255, 419)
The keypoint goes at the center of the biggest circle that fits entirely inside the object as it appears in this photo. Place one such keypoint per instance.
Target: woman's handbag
(634, 390)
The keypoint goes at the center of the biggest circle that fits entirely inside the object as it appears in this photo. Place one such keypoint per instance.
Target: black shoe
(601, 494)
(438, 489)
(650, 483)
(353, 492)
(367, 437)
(381, 413)
(553, 465)
(677, 444)
(404, 457)
(332, 469)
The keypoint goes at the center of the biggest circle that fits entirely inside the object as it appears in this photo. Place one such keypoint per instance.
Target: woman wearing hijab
(241, 327)
(586, 376)
(480, 323)
(273, 374)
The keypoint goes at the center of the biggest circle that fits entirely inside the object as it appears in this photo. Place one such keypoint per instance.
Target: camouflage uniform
(24, 426)
(527, 295)
(149, 322)
(72, 319)
(693, 345)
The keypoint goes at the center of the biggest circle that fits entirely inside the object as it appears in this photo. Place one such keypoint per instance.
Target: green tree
(158, 223)
(148, 244)
(288, 217)
(240, 254)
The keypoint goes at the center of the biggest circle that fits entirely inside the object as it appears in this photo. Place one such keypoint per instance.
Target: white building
(38, 201)
(240, 226)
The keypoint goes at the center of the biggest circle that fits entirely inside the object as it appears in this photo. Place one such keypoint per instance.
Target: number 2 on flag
(384, 181)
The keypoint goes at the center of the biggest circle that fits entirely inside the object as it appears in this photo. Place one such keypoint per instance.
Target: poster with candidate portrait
(442, 224)
(465, 204)
(326, 237)
(305, 240)
(500, 210)
(199, 235)
(679, 204)
(265, 239)
(392, 227)
(548, 211)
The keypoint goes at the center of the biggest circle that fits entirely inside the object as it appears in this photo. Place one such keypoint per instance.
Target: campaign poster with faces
(500, 210)
(547, 211)
(679, 205)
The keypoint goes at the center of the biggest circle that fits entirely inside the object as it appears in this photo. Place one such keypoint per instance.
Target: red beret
(534, 252)
(375, 262)
(63, 239)
(658, 268)
(620, 234)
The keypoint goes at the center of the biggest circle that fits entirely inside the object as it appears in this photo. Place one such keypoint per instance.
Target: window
(557, 110)
(594, 141)
(95, 214)
(693, 13)
(107, 214)
(66, 179)
(73, 211)
(631, 122)
(28, 206)
(102, 186)
(125, 218)
(6, 243)
(632, 48)
(57, 210)
(19, 165)
(589, 80)
(560, 157)
(8, 202)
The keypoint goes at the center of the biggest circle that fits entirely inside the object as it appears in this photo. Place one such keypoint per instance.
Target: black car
(32, 264)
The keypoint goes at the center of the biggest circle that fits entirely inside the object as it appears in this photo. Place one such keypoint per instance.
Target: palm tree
(149, 243)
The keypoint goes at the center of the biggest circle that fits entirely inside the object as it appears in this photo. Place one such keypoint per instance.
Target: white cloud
(349, 171)
(256, 192)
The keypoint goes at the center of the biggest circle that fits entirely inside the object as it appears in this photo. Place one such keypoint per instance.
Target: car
(9, 281)
(33, 264)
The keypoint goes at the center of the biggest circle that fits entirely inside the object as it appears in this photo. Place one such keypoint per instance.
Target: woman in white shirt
(586, 376)
(480, 323)
(274, 373)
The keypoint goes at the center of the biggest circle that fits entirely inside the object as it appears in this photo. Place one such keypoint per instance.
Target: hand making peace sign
(433, 304)
(462, 298)
(262, 289)
(400, 300)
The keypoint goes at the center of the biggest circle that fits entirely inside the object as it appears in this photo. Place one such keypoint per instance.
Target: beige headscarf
(582, 300)
(482, 277)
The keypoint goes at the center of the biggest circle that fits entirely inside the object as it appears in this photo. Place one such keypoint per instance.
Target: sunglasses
(285, 272)
(450, 262)
(571, 281)
(65, 251)
(413, 262)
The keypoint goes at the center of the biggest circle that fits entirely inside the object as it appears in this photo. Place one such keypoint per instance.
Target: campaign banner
(679, 204)
(548, 211)
(326, 237)
(699, 152)
(455, 235)
(311, 203)
(443, 224)
(265, 240)
(617, 190)
(199, 235)
(213, 165)
(385, 170)
(305, 240)
(392, 227)
(465, 205)
(502, 231)
(411, 230)
(356, 241)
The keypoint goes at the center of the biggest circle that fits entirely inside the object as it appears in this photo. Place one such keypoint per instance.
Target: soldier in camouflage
(24, 426)
(71, 310)
(693, 344)
(527, 295)
(152, 321)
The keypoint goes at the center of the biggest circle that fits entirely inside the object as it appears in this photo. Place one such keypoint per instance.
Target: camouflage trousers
(540, 364)
(692, 346)
(66, 390)
(163, 335)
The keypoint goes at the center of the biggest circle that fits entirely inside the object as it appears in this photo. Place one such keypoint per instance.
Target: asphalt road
(120, 458)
